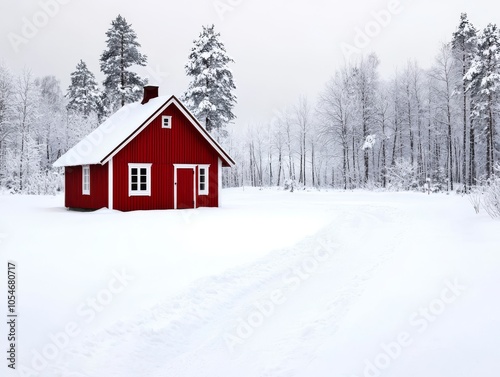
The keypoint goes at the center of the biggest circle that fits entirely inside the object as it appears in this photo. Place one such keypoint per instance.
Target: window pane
(134, 171)
(202, 186)
(134, 179)
(143, 187)
(143, 171)
(134, 186)
(143, 179)
(202, 179)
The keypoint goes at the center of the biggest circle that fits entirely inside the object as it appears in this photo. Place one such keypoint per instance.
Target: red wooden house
(149, 155)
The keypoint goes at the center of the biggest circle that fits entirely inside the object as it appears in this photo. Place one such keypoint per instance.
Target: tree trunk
(303, 168)
(490, 146)
(312, 164)
(354, 160)
(279, 168)
(344, 165)
(472, 156)
(21, 163)
(300, 168)
(464, 146)
(270, 157)
(384, 166)
(450, 150)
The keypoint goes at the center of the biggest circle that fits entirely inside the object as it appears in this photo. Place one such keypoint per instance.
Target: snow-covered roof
(105, 141)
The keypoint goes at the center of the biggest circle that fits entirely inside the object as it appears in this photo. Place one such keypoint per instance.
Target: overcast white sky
(282, 48)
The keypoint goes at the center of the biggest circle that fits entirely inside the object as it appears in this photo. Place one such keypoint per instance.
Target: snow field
(272, 284)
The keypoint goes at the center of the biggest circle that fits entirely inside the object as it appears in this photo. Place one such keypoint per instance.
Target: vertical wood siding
(182, 144)
(98, 197)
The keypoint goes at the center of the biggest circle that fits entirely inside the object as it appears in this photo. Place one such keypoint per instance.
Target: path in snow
(228, 325)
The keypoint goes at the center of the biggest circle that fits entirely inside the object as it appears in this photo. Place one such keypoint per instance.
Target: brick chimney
(150, 92)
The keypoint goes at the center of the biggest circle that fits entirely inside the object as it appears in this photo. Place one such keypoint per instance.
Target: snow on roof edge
(104, 142)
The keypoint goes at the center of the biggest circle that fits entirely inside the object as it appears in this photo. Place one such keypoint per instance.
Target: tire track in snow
(300, 344)
(184, 335)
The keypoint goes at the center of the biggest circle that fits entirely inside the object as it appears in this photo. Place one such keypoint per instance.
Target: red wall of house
(98, 197)
(182, 144)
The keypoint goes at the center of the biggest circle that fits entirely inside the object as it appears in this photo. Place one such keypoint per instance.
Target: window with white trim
(139, 179)
(166, 121)
(85, 180)
(203, 179)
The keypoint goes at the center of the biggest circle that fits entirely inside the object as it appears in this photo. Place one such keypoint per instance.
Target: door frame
(184, 166)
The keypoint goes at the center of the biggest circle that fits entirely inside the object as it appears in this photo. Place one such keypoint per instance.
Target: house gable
(191, 120)
(163, 148)
(118, 130)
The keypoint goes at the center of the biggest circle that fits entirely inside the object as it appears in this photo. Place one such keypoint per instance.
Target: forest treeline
(436, 127)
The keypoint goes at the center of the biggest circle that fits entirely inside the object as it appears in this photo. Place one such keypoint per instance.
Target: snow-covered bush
(401, 176)
(439, 180)
(427, 186)
(475, 198)
(372, 185)
(460, 189)
(26, 176)
(290, 185)
(491, 200)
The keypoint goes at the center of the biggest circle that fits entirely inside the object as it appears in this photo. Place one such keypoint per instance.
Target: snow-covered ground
(310, 284)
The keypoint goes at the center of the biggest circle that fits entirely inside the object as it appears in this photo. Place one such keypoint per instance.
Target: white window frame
(139, 192)
(166, 117)
(86, 182)
(207, 180)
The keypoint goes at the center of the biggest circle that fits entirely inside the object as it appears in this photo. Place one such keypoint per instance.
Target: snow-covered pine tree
(85, 108)
(484, 84)
(209, 95)
(122, 85)
(464, 45)
(83, 92)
